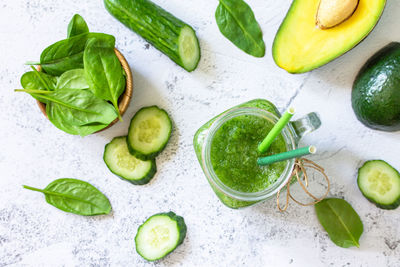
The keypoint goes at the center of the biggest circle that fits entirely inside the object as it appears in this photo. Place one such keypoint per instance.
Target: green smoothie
(226, 147)
(229, 151)
(234, 154)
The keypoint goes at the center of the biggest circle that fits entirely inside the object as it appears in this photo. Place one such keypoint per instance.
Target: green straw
(276, 130)
(287, 155)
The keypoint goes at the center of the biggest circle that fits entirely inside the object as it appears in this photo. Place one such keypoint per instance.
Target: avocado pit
(333, 12)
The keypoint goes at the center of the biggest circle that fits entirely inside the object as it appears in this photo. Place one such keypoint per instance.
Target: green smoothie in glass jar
(234, 154)
(226, 148)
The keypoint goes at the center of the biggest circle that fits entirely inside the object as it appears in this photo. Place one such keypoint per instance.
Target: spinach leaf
(76, 111)
(79, 112)
(73, 79)
(67, 54)
(38, 81)
(104, 72)
(75, 196)
(340, 220)
(70, 123)
(82, 130)
(77, 26)
(237, 23)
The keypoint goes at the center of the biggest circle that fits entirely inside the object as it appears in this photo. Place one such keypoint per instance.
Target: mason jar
(264, 109)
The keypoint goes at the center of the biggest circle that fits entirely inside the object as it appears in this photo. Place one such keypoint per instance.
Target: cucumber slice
(149, 132)
(123, 164)
(380, 183)
(159, 235)
(170, 35)
(189, 50)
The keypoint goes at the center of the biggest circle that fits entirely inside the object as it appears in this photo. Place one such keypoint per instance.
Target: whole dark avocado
(376, 90)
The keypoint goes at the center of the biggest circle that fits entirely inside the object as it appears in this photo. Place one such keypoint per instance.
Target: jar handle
(306, 124)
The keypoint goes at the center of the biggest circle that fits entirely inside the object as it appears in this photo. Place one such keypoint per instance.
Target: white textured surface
(33, 152)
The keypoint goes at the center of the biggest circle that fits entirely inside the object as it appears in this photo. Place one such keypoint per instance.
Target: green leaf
(77, 26)
(104, 72)
(82, 130)
(67, 54)
(237, 23)
(72, 124)
(38, 81)
(79, 112)
(75, 196)
(73, 79)
(76, 111)
(341, 221)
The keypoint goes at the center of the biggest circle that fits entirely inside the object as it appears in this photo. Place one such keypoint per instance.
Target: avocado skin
(376, 90)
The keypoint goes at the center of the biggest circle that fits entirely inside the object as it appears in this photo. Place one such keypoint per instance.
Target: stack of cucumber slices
(132, 157)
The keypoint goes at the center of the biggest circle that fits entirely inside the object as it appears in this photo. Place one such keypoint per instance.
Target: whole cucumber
(170, 35)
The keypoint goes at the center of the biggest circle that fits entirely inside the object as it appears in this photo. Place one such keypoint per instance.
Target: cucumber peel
(164, 31)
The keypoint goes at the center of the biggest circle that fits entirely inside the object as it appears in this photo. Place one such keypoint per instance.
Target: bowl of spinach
(82, 84)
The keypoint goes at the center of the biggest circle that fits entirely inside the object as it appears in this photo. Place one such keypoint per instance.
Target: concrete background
(33, 152)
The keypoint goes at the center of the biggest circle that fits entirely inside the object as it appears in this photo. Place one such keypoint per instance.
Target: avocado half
(301, 46)
(376, 90)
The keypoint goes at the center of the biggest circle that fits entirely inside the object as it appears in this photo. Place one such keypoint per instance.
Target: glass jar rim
(288, 134)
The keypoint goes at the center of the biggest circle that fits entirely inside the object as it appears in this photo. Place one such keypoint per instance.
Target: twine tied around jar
(299, 167)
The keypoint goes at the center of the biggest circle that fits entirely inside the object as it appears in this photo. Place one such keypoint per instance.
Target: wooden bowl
(124, 99)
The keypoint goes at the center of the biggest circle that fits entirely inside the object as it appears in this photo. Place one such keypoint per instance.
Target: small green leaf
(75, 196)
(237, 23)
(73, 79)
(36, 80)
(77, 26)
(341, 221)
(104, 72)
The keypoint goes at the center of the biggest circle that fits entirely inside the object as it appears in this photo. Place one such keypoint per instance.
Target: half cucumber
(380, 183)
(149, 132)
(159, 235)
(167, 33)
(128, 167)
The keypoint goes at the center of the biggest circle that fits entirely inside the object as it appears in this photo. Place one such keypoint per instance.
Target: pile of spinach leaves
(80, 82)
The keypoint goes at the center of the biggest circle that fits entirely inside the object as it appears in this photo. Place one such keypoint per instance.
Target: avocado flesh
(376, 90)
(301, 46)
